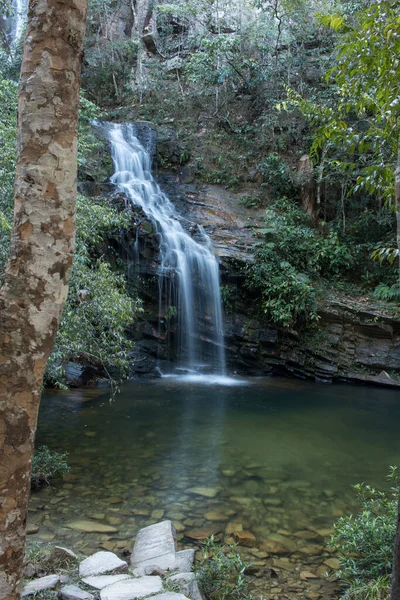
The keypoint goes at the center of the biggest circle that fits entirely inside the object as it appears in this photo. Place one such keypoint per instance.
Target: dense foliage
(357, 132)
(46, 465)
(366, 541)
(98, 309)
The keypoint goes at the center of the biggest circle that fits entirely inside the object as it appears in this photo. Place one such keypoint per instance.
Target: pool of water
(273, 457)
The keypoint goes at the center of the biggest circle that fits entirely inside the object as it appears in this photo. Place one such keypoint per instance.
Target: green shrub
(389, 293)
(308, 249)
(276, 175)
(287, 296)
(98, 309)
(366, 541)
(221, 572)
(47, 464)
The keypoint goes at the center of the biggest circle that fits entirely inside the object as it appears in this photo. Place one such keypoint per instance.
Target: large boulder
(156, 546)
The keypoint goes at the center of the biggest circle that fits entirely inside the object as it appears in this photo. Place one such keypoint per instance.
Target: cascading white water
(21, 7)
(16, 23)
(190, 263)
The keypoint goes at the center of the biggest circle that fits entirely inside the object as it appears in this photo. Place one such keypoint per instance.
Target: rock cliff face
(353, 341)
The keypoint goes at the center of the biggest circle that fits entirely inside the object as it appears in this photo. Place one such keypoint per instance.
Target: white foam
(208, 379)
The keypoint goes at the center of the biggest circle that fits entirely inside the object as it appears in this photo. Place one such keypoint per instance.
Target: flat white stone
(207, 492)
(99, 563)
(188, 585)
(43, 583)
(100, 581)
(184, 560)
(132, 588)
(155, 545)
(73, 592)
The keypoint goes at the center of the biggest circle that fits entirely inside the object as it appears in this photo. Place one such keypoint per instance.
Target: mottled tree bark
(37, 274)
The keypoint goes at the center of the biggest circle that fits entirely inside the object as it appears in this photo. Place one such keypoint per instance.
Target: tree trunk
(37, 274)
(395, 589)
(305, 175)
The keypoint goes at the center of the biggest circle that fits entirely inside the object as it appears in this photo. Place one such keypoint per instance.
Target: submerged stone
(91, 527)
(333, 563)
(214, 515)
(207, 492)
(305, 575)
(233, 528)
(311, 549)
(201, 533)
(31, 529)
(245, 538)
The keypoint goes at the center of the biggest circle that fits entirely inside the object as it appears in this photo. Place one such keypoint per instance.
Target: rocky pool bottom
(268, 464)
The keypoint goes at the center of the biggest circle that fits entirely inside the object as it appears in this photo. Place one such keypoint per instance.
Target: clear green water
(281, 454)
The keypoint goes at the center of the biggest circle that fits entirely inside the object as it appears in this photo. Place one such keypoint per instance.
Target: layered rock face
(353, 342)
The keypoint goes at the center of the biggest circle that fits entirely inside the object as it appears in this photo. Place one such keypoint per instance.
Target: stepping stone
(73, 592)
(132, 588)
(184, 560)
(188, 585)
(99, 563)
(100, 581)
(38, 585)
(155, 545)
(91, 527)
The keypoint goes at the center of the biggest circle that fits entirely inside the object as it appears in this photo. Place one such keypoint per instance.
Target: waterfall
(188, 271)
(20, 7)
(15, 24)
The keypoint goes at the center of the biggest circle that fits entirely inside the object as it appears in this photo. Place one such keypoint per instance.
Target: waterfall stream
(16, 22)
(188, 272)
